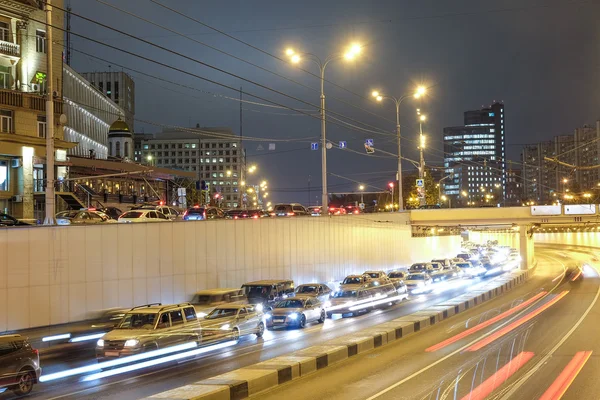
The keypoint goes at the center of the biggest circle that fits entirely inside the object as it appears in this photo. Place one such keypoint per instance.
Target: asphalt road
(249, 350)
(532, 348)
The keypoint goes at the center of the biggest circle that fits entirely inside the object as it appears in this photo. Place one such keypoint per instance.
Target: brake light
(272, 214)
(235, 217)
(185, 213)
(331, 208)
(355, 211)
(291, 214)
(255, 216)
(91, 209)
(196, 206)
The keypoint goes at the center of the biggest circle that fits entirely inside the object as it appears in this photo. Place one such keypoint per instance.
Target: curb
(248, 381)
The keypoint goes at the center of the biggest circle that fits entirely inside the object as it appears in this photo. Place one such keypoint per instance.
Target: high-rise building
(475, 155)
(215, 154)
(23, 94)
(117, 86)
(514, 186)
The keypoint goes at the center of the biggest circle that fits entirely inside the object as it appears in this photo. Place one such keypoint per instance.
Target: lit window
(40, 41)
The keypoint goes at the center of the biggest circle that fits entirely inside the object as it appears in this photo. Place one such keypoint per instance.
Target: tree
(409, 190)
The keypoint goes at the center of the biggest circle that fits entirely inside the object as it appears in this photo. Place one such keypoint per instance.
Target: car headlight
(100, 343)
(268, 316)
(327, 304)
(293, 316)
(225, 327)
(259, 307)
(421, 284)
(132, 343)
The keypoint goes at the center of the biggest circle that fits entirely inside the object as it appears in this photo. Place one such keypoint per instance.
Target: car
(19, 364)
(357, 299)
(337, 211)
(143, 215)
(486, 262)
(87, 216)
(319, 290)
(295, 311)
(464, 256)
(418, 282)
(314, 211)
(201, 213)
(7, 220)
(470, 270)
(169, 212)
(363, 280)
(439, 273)
(232, 321)
(350, 209)
(112, 212)
(204, 301)
(457, 260)
(269, 291)
(421, 267)
(397, 276)
(378, 276)
(289, 210)
(444, 261)
(246, 214)
(109, 319)
(150, 327)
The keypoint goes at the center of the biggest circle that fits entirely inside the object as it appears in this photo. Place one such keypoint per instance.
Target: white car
(143, 216)
(418, 282)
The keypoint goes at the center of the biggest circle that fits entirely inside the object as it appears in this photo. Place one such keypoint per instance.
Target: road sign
(343, 145)
(314, 146)
(369, 142)
(420, 183)
(369, 149)
(421, 193)
(361, 206)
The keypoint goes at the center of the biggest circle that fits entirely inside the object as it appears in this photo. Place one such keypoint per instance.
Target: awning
(118, 166)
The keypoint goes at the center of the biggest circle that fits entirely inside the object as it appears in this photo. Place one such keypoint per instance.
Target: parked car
(319, 290)
(289, 210)
(204, 301)
(143, 215)
(232, 321)
(112, 212)
(19, 364)
(267, 292)
(82, 217)
(295, 311)
(150, 327)
(200, 213)
(418, 282)
(7, 220)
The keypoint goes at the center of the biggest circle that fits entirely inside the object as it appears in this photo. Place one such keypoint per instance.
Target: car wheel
(235, 334)
(261, 330)
(24, 383)
(322, 317)
(302, 322)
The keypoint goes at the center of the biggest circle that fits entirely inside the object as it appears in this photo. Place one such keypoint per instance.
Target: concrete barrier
(265, 375)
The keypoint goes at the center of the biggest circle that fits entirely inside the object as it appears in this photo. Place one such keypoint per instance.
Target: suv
(7, 220)
(19, 364)
(201, 213)
(150, 327)
(289, 210)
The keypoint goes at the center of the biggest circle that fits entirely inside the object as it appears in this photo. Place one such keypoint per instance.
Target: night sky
(541, 58)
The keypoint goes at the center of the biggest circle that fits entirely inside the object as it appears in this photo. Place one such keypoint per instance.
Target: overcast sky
(541, 58)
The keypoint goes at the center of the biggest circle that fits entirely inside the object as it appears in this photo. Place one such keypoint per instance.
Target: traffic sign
(369, 149)
(421, 193)
(361, 206)
(314, 146)
(420, 183)
(343, 145)
(369, 142)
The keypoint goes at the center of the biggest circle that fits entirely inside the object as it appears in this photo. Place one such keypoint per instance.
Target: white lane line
(543, 361)
(417, 373)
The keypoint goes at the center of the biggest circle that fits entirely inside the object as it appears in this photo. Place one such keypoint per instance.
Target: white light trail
(56, 337)
(87, 337)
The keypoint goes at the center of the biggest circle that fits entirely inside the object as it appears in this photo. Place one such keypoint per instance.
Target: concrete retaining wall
(247, 381)
(55, 275)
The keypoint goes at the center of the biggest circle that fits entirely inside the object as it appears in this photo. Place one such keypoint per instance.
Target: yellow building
(23, 83)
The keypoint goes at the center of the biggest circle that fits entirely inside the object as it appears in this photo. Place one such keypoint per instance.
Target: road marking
(501, 376)
(509, 328)
(566, 377)
(485, 324)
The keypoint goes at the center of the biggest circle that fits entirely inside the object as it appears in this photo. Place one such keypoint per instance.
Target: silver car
(204, 301)
(419, 282)
(319, 290)
(295, 311)
(232, 321)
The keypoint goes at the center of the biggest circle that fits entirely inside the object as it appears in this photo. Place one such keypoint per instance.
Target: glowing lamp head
(290, 52)
(375, 93)
(379, 98)
(295, 58)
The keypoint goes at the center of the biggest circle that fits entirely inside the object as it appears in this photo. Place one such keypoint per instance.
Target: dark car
(7, 220)
(112, 212)
(289, 210)
(198, 213)
(19, 364)
(429, 207)
(246, 214)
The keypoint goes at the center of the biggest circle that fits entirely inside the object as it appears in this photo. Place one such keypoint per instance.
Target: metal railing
(10, 49)
(31, 100)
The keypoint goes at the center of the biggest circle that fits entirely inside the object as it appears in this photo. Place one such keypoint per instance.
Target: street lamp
(422, 118)
(391, 185)
(295, 57)
(252, 169)
(397, 100)
(362, 189)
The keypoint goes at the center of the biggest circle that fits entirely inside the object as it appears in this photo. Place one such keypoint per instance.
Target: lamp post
(397, 101)
(422, 200)
(362, 189)
(391, 184)
(353, 51)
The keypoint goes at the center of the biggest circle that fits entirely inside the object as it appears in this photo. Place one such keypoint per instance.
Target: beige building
(23, 83)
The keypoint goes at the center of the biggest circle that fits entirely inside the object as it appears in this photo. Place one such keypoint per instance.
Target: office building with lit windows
(214, 154)
(475, 155)
(117, 86)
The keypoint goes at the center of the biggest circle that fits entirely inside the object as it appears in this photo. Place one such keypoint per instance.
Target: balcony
(30, 100)
(11, 50)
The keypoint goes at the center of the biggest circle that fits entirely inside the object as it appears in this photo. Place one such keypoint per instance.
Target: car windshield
(258, 291)
(202, 299)
(132, 214)
(396, 275)
(463, 265)
(222, 313)
(352, 280)
(137, 321)
(373, 275)
(418, 266)
(345, 294)
(416, 277)
(292, 303)
(306, 289)
(67, 214)
(283, 208)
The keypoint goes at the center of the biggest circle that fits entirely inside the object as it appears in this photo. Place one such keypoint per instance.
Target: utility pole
(422, 200)
(308, 190)
(49, 218)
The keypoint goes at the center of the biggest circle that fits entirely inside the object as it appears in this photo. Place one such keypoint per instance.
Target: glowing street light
(252, 169)
(464, 193)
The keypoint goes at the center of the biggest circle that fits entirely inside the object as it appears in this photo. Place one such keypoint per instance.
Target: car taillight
(255, 216)
(204, 215)
(36, 352)
(291, 214)
(272, 214)
(235, 217)
(355, 211)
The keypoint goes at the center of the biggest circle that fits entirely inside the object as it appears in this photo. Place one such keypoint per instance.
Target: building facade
(89, 115)
(119, 87)
(214, 154)
(475, 155)
(23, 95)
